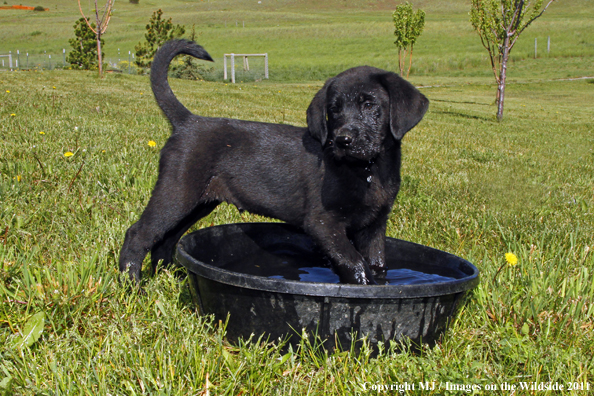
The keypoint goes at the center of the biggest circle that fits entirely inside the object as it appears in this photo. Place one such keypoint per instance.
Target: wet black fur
(336, 179)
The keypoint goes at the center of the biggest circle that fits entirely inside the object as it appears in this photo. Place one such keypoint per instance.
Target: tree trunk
(502, 77)
(99, 57)
(410, 61)
(99, 27)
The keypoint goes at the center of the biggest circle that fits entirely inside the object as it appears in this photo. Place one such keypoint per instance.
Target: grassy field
(472, 186)
(311, 41)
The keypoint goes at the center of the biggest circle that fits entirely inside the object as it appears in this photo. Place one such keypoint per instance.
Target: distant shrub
(39, 8)
(134, 1)
(189, 69)
(130, 68)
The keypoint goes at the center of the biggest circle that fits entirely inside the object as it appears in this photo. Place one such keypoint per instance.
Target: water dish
(271, 279)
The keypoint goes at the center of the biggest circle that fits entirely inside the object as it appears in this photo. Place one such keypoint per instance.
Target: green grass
(472, 186)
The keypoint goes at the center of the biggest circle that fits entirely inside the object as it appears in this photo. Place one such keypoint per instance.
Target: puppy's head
(356, 111)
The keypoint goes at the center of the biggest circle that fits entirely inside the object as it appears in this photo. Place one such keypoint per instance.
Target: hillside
(309, 40)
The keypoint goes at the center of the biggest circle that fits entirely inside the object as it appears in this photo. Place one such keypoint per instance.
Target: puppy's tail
(173, 109)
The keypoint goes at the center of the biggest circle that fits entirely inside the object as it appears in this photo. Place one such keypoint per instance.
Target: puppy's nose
(343, 141)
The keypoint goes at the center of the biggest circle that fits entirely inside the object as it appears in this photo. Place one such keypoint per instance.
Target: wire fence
(24, 60)
(256, 69)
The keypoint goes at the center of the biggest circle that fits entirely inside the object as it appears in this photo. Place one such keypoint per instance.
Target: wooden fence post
(233, 68)
(225, 67)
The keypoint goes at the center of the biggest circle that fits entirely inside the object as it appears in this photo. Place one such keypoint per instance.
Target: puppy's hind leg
(163, 250)
(167, 216)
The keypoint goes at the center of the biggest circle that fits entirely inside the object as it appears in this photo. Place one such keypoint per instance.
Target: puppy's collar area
(369, 171)
(364, 169)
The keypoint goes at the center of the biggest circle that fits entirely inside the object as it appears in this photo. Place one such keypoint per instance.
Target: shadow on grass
(459, 102)
(467, 116)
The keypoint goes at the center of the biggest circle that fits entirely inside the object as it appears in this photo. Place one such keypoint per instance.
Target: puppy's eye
(367, 105)
(333, 110)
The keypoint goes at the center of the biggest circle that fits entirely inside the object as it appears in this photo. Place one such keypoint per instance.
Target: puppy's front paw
(366, 280)
(379, 271)
(359, 276)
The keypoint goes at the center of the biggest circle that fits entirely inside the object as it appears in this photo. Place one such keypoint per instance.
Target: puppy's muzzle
(343, 141)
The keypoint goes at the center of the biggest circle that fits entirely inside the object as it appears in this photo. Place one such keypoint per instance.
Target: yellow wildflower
(511, 259)
(12, 115)
(68, 154)
(7, 91)
(152, 143)
(41, 133)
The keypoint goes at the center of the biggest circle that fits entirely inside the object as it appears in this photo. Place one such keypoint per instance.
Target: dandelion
(54, 87)
(68, 154)
(17, 178)
(511, 259)
(12, 115)
(152, 143)
(41, 133)
(7, 91)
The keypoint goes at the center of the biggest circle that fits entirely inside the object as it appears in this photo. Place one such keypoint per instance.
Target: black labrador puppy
(336, 179)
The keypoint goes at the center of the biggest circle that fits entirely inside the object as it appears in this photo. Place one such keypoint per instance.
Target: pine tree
(158, 32)
(84, 47)
(99, 28)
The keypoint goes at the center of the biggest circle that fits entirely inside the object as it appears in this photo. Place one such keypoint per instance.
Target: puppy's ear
(407, 104)
(316, 115)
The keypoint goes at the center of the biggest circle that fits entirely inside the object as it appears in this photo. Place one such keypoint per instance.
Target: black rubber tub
(261, 275)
